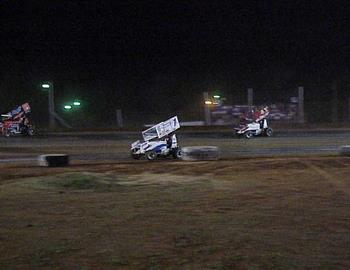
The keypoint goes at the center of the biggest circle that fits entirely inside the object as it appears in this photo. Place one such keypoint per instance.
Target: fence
(286, 106)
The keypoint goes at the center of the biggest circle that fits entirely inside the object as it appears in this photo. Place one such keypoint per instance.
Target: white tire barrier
(193, 153)
(345, 150)
(53, 160)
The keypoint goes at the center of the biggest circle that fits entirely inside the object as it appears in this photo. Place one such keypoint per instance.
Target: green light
(76, 103)
(45, 85)
(67, 107)
(216, 96)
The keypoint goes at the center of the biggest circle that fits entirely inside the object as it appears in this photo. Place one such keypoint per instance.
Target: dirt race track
(261, 213)
(115, 147)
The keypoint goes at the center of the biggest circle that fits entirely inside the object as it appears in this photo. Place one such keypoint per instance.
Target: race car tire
(8, 133)
(197, 153)
(268, 132)
(248, 134)
(53, 160)
(177, 154)
(151, 155)
(345, 150)
(31, 132)
(28, 132)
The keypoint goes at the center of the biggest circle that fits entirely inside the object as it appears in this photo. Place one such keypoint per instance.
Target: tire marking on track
(338, 183)
(17, 160)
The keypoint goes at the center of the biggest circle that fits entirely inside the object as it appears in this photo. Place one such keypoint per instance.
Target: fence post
(206, 109)
(301, 118)
(119, 118)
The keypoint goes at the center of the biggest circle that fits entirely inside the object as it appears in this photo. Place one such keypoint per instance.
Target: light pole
(207, 103)
(49, 87)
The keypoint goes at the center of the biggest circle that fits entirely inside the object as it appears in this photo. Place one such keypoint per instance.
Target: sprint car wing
(162, 129)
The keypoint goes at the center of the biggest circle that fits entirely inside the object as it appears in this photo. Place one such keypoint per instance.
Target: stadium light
(76, 103)
(67, 107)
(208, 102)
(48, 86)
(216, 96)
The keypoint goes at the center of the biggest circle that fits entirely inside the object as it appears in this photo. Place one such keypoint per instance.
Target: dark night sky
(114, 52)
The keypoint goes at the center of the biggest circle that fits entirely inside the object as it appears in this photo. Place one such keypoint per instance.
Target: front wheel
(31, 132)
(248, 134)
(268, 132)
(151, 155)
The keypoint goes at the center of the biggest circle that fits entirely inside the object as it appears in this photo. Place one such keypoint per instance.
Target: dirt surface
(262, 213)
(96, 147)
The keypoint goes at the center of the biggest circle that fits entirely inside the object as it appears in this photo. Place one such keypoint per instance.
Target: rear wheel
(151, 155)
(269, 132)
(7, 133)
(177, 153)
(248, 134)
(28, 131)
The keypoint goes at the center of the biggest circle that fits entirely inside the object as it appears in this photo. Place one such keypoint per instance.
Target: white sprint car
(254, 129)
(259, 127)
(165, 146)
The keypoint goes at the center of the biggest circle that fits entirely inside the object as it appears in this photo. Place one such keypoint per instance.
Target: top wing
(18, 111)
(162, 129)
(262, 116)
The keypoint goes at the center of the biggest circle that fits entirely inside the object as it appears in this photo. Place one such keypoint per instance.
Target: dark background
(150, 57)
